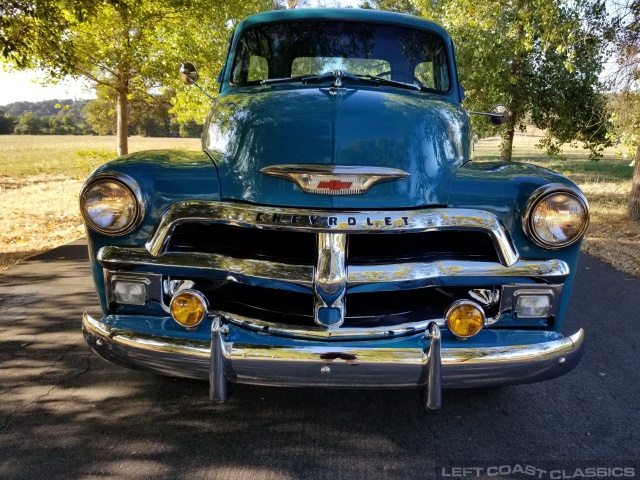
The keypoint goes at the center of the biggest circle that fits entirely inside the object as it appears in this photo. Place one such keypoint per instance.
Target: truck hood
(367, 127)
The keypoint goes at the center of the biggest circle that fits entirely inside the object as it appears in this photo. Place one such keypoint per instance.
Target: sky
(18, 86)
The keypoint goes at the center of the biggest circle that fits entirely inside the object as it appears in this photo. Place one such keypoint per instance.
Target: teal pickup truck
(335, 230)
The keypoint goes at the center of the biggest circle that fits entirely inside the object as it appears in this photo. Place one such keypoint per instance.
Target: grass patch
(70, 155)
(611, 236)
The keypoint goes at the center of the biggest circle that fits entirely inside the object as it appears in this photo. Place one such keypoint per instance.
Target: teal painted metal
(165, 177)
(262, 126)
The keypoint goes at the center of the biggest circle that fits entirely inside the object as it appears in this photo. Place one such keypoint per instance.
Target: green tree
(190, 129)
(129, 47)
(206, 45)
(101, 113)
(34, 29)
(541, 57)
(150, 115)
(7, 123)
(30, 124)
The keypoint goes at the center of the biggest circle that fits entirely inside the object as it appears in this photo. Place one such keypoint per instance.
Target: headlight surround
(556, 217)
(111, 204)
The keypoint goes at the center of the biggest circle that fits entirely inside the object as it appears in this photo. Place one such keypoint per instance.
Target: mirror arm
(201, 89)
(499, 115)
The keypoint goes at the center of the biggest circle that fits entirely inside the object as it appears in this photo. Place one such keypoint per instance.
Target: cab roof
(352, 14)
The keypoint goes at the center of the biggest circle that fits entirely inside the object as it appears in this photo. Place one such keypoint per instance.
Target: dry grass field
(40, 177)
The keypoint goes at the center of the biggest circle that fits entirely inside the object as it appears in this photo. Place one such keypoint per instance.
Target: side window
(424, 73)
(258, 68)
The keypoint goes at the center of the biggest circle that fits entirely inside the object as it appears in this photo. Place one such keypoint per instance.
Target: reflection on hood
(264, 126)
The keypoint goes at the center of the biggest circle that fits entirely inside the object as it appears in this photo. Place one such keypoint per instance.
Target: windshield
(298, 49)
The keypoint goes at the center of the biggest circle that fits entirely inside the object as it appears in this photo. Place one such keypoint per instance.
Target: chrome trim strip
(385, 277)
(322, 333)
(309, 220)
(363, 177)
(421, 272)
(301, 365)
(330, 279)
(240, 270)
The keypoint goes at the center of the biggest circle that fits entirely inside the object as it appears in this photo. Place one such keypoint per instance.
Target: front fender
(504, 188)
(164, 177)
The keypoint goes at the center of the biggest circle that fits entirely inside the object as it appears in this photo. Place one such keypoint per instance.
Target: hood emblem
(334, 179)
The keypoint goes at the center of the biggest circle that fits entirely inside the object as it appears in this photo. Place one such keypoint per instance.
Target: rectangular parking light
(533, 305)
(129, 292)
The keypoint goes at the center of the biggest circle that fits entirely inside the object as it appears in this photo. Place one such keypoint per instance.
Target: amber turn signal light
(188, 308)
(465, 318)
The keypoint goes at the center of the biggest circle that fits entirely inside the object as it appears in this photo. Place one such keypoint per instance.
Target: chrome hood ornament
(334, 179)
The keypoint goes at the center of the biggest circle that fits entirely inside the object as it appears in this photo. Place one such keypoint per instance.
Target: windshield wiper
(339, 76)
(391, 83)
(295, 78)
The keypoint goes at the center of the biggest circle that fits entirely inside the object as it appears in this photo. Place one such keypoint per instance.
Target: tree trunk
(634, 196)
(507, 140)
(123, 122)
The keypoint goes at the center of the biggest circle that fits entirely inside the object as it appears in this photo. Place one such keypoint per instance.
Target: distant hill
(49, 108)
(68, 117)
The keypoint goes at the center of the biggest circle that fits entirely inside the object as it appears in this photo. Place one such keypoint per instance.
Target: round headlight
(109, 205)
(557, 219)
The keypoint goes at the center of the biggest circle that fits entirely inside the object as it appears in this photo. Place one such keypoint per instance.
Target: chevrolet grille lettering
(342, 221)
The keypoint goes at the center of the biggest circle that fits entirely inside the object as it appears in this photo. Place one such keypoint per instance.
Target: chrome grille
(333, 272)
(290, 246)
(239, 242)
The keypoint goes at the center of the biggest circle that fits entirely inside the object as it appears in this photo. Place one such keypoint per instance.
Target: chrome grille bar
(292, 277)
(330, 280)
(323, 221)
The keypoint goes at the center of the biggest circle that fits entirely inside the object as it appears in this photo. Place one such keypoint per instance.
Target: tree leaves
(541, 57)
(131, 47)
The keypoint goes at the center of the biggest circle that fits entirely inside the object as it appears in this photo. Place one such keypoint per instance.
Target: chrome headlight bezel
(128, 183)
(542, 194)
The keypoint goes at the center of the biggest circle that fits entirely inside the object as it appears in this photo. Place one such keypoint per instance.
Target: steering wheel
(399, 73)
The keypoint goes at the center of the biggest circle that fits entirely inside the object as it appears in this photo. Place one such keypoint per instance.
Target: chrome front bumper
(224, 361)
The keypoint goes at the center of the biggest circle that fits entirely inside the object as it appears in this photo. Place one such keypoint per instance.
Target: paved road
(65, 413)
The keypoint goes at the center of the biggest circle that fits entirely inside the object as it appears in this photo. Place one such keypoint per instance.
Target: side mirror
(499, 114)
(188, 73)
